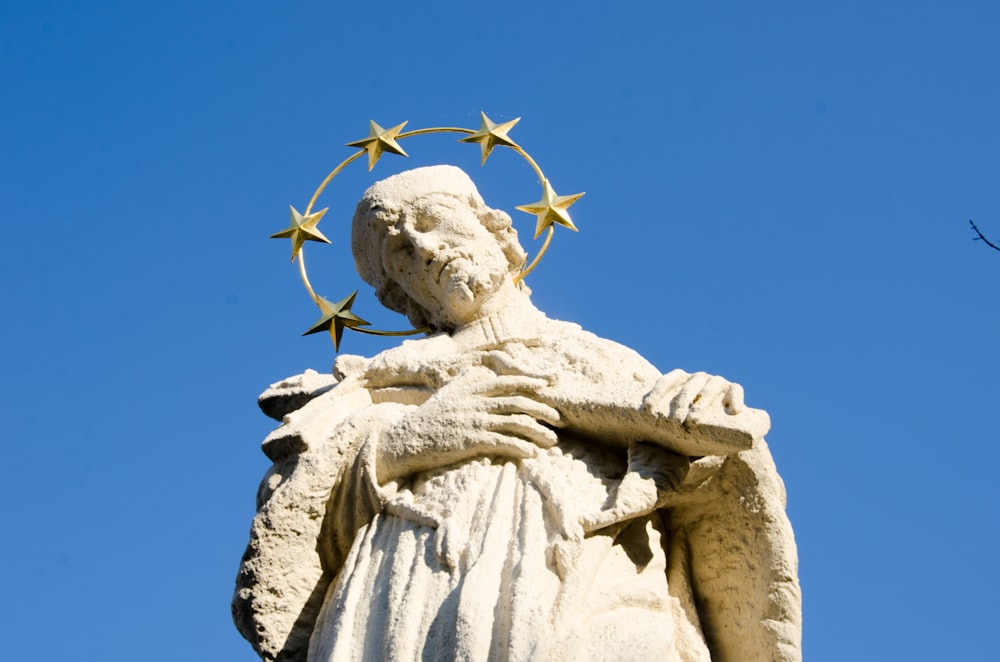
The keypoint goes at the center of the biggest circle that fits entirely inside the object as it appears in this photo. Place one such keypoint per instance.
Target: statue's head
(432, 248)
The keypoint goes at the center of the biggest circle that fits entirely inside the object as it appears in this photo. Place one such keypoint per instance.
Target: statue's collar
(519, 321)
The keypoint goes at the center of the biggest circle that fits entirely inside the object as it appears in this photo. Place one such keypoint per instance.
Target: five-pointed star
(302, 229)
(551, 209)
(336, 316)
(490, 135)
(380, 140)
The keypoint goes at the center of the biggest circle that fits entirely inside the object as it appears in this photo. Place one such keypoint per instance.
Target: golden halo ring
(550, 210)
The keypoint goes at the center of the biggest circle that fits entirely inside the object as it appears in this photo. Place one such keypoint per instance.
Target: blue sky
(778, 192)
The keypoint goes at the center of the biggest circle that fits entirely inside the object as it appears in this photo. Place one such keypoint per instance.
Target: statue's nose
(427, 244)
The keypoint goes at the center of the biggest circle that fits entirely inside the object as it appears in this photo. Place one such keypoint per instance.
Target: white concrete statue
(510, 487)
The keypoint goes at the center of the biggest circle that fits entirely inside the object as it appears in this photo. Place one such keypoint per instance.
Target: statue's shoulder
(292, 393)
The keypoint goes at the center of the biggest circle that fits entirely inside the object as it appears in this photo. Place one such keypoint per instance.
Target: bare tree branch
(988, 242)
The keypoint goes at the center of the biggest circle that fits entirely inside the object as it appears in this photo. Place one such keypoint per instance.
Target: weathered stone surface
(510, 487)
(291, 394)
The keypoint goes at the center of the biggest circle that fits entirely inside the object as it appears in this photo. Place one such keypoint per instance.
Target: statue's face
(444, 259)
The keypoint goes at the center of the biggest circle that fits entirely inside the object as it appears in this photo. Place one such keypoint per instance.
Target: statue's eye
(425, 222)
(398, 246)
(377, 208)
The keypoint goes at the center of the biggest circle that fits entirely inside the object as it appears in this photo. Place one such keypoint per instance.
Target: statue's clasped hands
(488, 410)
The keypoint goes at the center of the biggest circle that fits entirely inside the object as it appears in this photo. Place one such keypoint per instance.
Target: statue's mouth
(441, 265)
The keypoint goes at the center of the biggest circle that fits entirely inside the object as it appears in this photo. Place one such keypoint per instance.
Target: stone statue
(510, 487)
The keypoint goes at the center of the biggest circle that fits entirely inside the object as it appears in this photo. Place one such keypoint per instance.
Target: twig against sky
(983, 237)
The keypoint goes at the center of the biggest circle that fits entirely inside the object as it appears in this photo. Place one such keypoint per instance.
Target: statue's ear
(494, 220)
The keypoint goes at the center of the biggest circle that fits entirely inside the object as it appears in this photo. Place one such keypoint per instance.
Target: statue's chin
(460, 295)
(462, 301)
(463, 294)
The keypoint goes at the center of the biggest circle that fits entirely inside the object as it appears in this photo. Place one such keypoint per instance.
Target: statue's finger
(680, 407)
(709, 395)
(519, 404)
(664, 389)
(471, 375)
(509, 446)
(502, 363)
(734, 399)
(508, 385)
(524, 427)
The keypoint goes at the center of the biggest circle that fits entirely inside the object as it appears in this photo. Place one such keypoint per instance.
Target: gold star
(551, 209)
(380, 140)
(336, 317)
(302, 229)
(490, 135)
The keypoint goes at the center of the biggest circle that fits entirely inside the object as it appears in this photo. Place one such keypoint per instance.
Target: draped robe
(586, 551)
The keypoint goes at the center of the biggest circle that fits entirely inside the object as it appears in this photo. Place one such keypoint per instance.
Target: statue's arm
(282, 578)
(732, 545)
(732, 548)
(691, 414)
